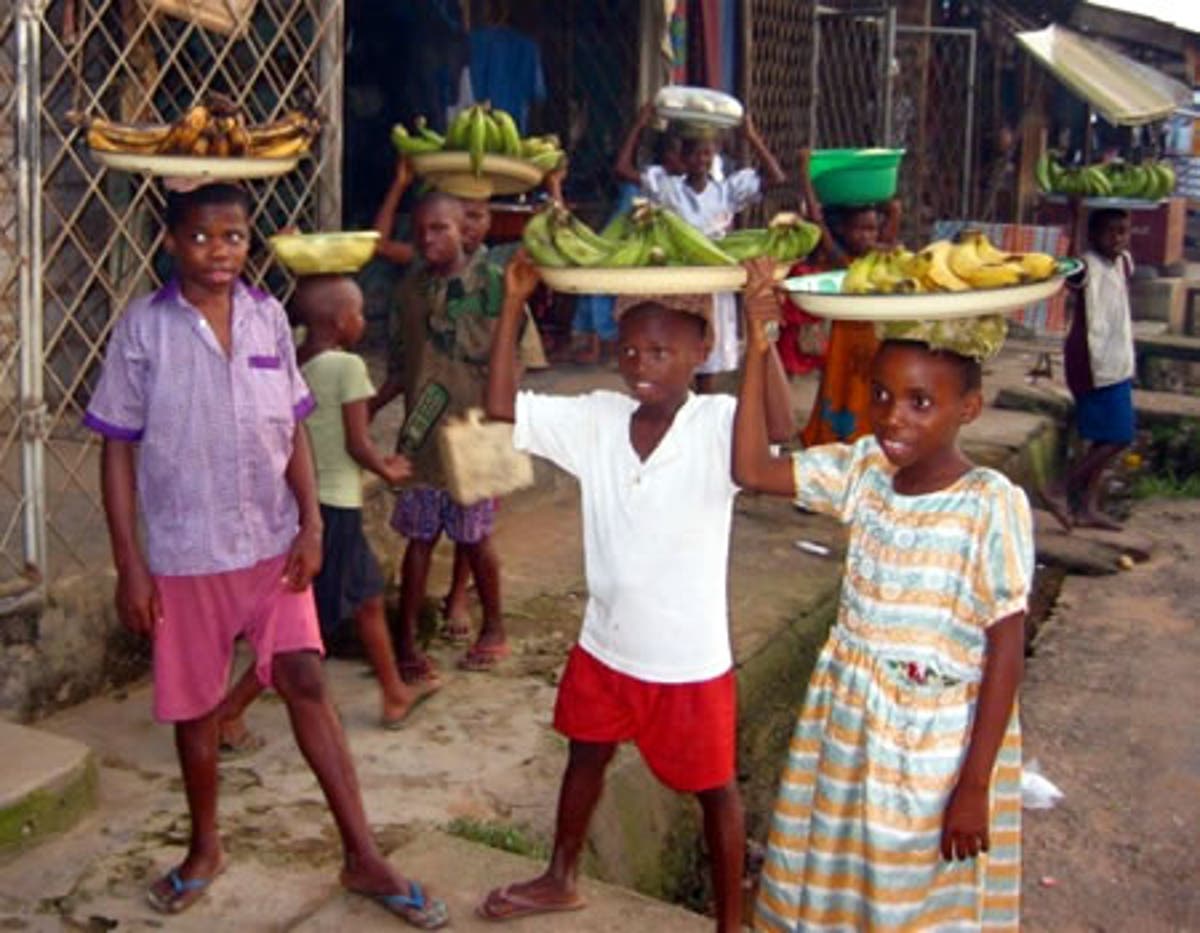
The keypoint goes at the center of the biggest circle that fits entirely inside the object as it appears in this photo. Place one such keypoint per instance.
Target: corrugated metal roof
(1123, 91)
(1183, 15)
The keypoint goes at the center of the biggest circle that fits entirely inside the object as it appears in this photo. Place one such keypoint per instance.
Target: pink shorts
(686, 732)
(203, 615)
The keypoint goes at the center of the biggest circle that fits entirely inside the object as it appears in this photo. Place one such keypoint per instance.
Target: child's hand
(965, 824)
(398, 467)
(520, 276)
(761, 304)
(646, 114)
(304, 559)
(139, 605)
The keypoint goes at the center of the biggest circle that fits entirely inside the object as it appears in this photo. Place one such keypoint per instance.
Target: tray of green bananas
(1109, 184)
(481, 154)
(339, 253)
(943, 280)
(651, 249)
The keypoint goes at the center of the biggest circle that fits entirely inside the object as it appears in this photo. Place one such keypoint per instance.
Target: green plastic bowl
(855, 176)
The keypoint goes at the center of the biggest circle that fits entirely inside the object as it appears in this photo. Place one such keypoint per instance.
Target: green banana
(747, 243)
(548, 160)
(493, 141)
(630, 252)
(477, 139)
(616, 229)
(586, 233)
(510, 137)
(693, 246)
(411, 145)
(536, 239)
(426, 133)
(456, 133)
(573, 246)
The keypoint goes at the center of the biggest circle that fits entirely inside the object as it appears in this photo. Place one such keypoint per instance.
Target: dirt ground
(1109, 710)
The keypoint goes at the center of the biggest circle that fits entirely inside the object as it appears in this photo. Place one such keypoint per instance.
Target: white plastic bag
(1037, 791)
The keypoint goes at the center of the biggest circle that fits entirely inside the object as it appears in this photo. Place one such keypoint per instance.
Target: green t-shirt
(335, 377)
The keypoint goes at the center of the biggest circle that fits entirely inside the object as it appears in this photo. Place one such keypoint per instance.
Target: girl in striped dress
(899, 805)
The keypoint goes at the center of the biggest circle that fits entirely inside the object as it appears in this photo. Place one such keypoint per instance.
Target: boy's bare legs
(232, 730)
(555, 889)
(725, 835)
(376, 640)
(196, 746)
(414, 578)
(1097, 461)
(456, 623)
(485, 567)
(298, 677)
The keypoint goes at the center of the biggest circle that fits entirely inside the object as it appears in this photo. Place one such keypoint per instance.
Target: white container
(683, 103)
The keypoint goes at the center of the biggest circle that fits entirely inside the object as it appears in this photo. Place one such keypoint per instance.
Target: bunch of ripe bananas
(480, 130)
(1148, 181)
(647, 235)
(972, 263)
(214, 128)
(786, 238)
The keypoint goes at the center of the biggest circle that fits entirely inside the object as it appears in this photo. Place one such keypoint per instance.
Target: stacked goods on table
(216, 128)
(482, 153)
(972, 263)
(649, 235)
(1145, 181)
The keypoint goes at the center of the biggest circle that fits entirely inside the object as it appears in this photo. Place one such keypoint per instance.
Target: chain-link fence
(77, 242)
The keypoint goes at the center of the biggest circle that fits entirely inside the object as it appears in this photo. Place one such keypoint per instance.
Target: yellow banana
(1038, 266)
(111, 136)
(940, 275)
(886, 274)
(858, 275)
(987, 251)
(185, 134)
(966, 262)
(283, 149)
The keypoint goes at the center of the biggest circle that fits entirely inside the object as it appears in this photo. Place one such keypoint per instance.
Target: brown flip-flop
(504, 904)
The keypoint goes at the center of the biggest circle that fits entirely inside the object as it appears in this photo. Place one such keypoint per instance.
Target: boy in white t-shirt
(653, 662)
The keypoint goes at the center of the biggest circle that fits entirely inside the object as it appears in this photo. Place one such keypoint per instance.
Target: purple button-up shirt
(214, 432)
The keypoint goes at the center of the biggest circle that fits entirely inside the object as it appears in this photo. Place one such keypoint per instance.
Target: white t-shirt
(1109, 321)
(655, 532)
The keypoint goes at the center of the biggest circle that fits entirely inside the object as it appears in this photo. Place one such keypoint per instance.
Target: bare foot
(235, 740)
(396, 710)
(1056, 504)
(1089, 518)
(542, 895)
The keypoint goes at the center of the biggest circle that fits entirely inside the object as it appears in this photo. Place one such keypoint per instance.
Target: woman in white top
(708, 202)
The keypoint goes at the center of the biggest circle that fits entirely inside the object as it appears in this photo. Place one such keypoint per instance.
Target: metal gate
(877, 83)
(77, 242)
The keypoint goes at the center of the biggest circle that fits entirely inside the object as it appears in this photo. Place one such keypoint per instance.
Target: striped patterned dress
(854, 839)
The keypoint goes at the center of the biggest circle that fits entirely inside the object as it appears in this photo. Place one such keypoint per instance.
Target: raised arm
(138, 602)
(626, 167)
(889, 230)
(754, 467)
(812, 205)
(520, 280)
(385, 218)
(769, 163)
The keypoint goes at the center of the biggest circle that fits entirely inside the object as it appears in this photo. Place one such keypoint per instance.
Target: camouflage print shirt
(441, 331)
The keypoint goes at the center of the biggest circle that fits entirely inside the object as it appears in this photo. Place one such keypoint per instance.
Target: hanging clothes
(506, 68)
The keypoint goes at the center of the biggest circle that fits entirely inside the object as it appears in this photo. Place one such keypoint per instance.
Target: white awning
(1123, 91)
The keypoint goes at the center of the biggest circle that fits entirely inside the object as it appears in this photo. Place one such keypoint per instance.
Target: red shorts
(685, 732)
(203, 615)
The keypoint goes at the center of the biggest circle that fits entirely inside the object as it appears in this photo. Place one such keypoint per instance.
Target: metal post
(815, 93)
(29, 296)
(968, 148)
(887, 82)
(331, 71)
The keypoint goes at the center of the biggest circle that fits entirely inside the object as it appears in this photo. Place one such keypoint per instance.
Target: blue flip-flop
(425, 913)
(184, 893)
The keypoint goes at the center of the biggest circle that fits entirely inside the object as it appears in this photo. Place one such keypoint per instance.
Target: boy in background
(199, 404)
(1100, 364)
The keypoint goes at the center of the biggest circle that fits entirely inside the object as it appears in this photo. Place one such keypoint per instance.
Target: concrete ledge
(47, 783)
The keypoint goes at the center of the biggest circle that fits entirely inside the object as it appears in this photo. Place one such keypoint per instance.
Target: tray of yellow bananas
(210, 140)
(943, 280)
(340, 253)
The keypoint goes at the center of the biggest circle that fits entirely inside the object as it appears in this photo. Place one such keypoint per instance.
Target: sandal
(415, 907)
(182, 893)
(506, 904)
(484, 657)
(419, 671)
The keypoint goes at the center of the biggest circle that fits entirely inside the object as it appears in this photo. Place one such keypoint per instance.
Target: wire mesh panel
(777, 85)
(932, 118)
(851, 54)
(99, 233)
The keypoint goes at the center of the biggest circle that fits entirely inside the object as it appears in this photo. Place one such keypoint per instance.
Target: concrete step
(47, 782)
(462, 872)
